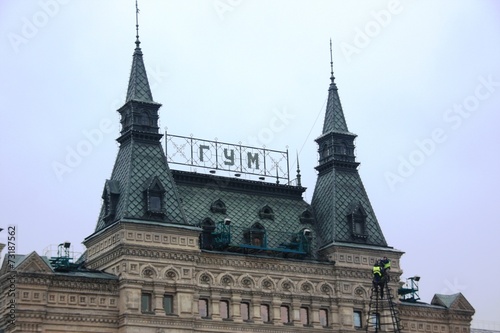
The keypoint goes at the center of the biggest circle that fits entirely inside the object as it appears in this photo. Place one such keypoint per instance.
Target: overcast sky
(419, 83)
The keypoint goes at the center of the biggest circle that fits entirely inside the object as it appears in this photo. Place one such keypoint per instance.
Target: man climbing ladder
(379, 279)
(382, 311)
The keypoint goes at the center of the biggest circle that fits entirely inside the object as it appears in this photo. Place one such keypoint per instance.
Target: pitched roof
(244, 202)
(335, 194)
(456, 301)
(334, 115)
(140, 160)
(138, 85)
(136, 164)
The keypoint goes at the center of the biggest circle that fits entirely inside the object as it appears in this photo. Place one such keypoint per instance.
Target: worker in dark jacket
(386, 267)
(378, 278)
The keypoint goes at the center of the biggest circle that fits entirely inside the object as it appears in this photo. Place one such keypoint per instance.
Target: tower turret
(340, 202)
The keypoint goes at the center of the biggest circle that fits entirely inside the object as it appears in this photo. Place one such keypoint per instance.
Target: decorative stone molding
(149, 272)
(246, 281)
(326, 288)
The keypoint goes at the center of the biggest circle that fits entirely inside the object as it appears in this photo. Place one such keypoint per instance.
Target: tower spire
(331, 62)
(138, 86)
(341, 206)
(334, 116)
(137, 42)
(299, 183)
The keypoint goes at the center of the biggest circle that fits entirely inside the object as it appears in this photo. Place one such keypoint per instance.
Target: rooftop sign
(215, 155)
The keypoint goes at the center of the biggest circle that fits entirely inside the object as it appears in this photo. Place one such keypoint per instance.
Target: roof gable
(33, 263)
(452, 302)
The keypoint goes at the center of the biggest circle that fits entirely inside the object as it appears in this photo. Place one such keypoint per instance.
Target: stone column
(236, 307)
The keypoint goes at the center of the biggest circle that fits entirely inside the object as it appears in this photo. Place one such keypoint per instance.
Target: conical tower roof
(141, 187)
(340, 202)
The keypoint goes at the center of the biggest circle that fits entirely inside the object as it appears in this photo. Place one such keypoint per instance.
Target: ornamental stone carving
(148, 273)
(205, 278)
(267, 284)
(171, 274)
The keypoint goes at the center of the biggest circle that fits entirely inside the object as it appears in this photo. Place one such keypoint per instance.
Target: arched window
(256, 235)
(306, 216)
(154, 193)
(206, 238)
(218, 206)
(110, 197)
(266, 212)
(357, 219)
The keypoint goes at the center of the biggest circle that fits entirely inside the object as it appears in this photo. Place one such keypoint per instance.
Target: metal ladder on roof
(383, 315)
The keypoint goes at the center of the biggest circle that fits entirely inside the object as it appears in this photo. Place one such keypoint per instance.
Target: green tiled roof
(334, 115)
(339, 194)
(335, 194)
(140, 160)
(138, 85)
(135, 165)
(243, 200)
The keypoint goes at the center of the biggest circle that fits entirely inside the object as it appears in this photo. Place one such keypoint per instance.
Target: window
(358, 222)
(374, 320)
(245, 311)
(304, 315)
(168, 304)
(203, 308)
(323, 317)
(146, 303)
(285, 314)
(154, 192)
(224, 309)
(256, 235)
(356, 319)
(306, 217)
(218, 206)
(110, 196)
(208, 226)
(264, 313)
(266, 212)
(154, 203)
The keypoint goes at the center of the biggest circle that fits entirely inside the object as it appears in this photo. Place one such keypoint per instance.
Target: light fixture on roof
(66, 245)
(212, 171)
(227, 221)
(262, 178)
(237, 174)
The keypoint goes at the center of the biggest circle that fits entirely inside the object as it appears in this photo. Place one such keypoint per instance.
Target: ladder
(383, 315)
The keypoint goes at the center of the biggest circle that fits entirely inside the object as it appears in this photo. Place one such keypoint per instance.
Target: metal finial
(331, 60)
(137, 42)
(299, 183)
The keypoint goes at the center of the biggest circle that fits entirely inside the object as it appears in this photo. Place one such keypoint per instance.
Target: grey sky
(419, 83)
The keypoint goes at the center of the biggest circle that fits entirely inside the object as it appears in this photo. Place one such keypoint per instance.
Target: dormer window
(357, 218)
(266, 212)
(155, 202)
(206, 238)
(110, 197)
(306, 217)
(256, 235)
(154, 193)
(218, 206)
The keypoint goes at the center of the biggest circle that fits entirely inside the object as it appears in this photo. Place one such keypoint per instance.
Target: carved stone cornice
(68, 282)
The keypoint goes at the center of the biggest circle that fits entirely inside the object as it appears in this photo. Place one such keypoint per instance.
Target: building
(180, 251)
